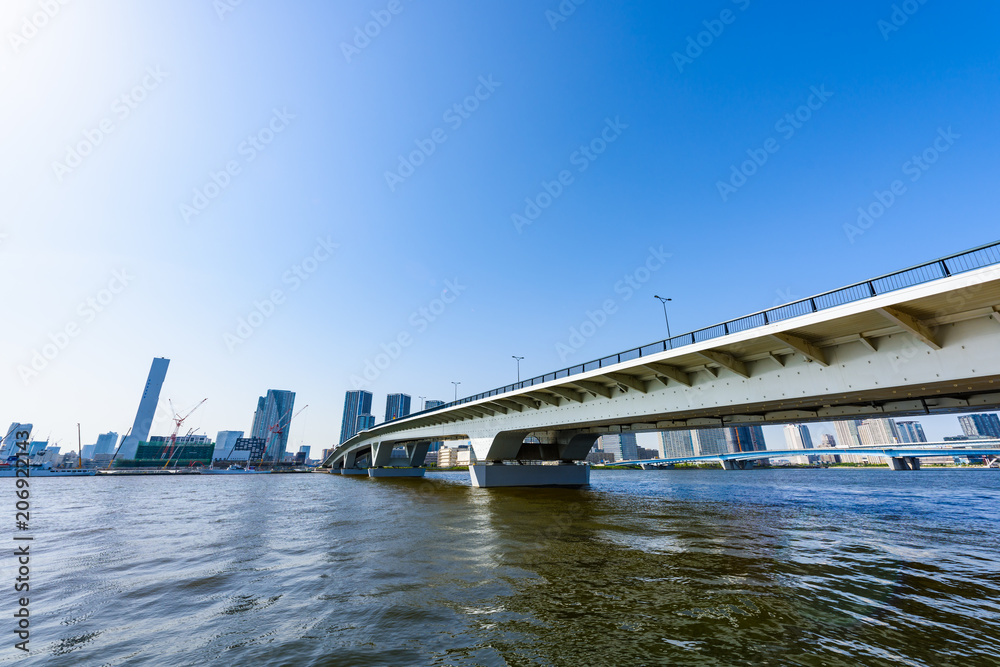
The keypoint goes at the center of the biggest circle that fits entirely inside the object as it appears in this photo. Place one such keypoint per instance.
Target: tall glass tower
(357, 404)
(271, 421)
(147, 410)
(397, 406)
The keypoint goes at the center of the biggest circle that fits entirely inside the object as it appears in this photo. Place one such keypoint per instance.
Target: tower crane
(178, 420)
(276, 430)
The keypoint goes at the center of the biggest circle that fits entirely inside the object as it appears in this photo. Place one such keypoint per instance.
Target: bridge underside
(933, 348)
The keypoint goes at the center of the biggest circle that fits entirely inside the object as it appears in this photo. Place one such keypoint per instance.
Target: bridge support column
(730, 464)
(486, 475)
(903, 463)
(396, 472)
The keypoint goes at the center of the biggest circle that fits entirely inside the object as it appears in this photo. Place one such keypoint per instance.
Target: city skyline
(243, 221)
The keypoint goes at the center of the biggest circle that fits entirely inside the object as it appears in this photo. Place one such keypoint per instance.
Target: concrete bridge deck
(919, 341)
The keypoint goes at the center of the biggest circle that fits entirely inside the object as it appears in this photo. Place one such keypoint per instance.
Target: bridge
(897, 456)
(918, 341)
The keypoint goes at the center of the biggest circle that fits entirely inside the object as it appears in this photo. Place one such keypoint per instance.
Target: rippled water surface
(686, 567)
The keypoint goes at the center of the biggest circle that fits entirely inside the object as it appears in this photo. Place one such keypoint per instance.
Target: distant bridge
(898, 457)
(918, 341)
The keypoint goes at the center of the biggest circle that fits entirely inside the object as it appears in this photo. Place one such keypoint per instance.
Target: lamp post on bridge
(422, 402)
(518, 360)
(456, 388)
(665, 319)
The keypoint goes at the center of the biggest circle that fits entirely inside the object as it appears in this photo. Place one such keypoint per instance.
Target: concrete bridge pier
(507, 460)
(729, 464)
(903, 463)
(410, 465)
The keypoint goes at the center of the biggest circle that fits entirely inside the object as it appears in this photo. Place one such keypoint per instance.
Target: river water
(685, 567)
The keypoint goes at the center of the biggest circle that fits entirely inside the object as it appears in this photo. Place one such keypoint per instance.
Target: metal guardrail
(944, 267)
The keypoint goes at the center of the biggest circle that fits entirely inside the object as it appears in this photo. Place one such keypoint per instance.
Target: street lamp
(456, 389)
(518, 360)
(664, 302)
(423, 404)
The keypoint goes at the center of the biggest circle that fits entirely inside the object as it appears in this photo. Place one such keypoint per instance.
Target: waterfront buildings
(8, 446)
(745, 439)
(357, 410)
(271, 421)
(676, 444)
(878, 432)
(225, 445)
(848, 436)
(396, 406)
(432, 403)
(910, 432)
(622, 445)
(708, 441)
(981, 425)
(797, 436)
(147, 409)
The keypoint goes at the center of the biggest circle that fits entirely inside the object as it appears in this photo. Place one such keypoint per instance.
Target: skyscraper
(676, 444)
(878, 432)
(707, 441)
(271, 421)
(356, 404)
(622, 445)
(396, 406)
(797, 436)
(745, 438)
(432, 403)
(847, 436)
(147, 409)
(105, 444)
(910, 431)
(984, 424)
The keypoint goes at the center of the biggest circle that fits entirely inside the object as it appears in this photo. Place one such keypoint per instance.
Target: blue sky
(233, 160)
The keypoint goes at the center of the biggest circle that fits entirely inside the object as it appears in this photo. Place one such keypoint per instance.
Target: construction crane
(276, 430)
(178, 420)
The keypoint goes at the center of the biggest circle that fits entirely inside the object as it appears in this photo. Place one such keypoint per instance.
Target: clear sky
(267, 195)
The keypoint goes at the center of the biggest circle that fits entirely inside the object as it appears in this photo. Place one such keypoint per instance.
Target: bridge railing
(976, 258)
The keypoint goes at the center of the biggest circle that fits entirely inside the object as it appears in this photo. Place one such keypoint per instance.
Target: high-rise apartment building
(622, 445)
(432, 403)
(910, 431)
(271, 421)
(797, 436)
(878, 432)
(676, 444)
(708, 441)
(147, 409)
(397, 406)
(745, 438)
(357, 403)
(105, 444)
(986, 424)
(847, 436)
